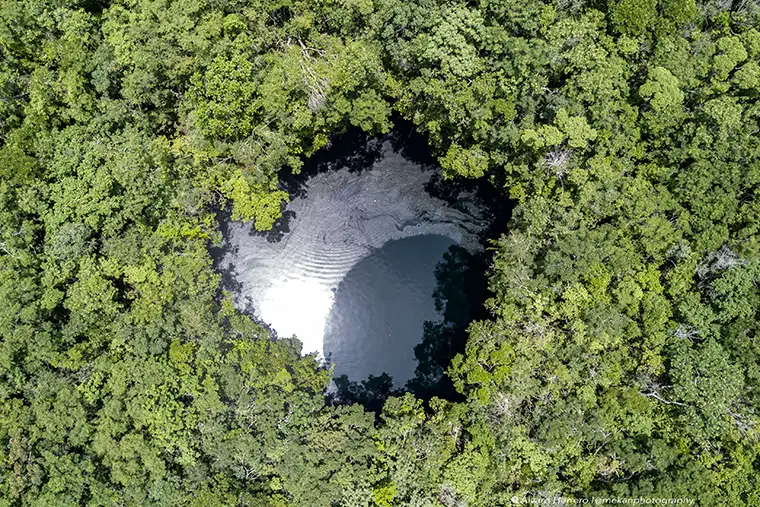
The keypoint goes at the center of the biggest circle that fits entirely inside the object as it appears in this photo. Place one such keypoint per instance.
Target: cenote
(352, 267)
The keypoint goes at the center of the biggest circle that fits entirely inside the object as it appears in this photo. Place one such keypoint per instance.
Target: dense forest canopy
(621, 354)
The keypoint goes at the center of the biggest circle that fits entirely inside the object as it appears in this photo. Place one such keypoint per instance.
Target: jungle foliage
(621, 354)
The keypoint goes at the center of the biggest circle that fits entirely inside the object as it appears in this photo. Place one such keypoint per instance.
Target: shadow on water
(371, 393)
(406, 140)
(461, 288)
(221, 253)
(358, 151)
(354, 149)
(460, 294)
(380, 305)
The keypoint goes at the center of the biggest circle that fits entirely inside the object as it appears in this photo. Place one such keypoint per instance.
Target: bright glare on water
(297, 307)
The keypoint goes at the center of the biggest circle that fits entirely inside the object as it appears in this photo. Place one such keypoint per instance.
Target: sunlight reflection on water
(297, 307)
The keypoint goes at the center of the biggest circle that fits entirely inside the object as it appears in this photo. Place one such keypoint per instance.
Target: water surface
(350, 272)
(380, 306)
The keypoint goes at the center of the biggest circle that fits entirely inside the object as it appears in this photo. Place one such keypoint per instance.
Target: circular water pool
(350, 270)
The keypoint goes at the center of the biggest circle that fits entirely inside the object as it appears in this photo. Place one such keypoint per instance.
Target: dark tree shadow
(451, 190)
(459, 296)
(358, 151)
(406, 140)
(440, 343)
(223, 252)
(461, 291)
(371, 393)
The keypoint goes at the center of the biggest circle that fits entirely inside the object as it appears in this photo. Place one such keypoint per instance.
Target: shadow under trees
(461, 290)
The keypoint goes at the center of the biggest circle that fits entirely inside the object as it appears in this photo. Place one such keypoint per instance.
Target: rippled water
(337, 278)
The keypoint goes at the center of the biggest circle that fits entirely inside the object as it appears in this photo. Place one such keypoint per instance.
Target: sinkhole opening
(378, 265)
